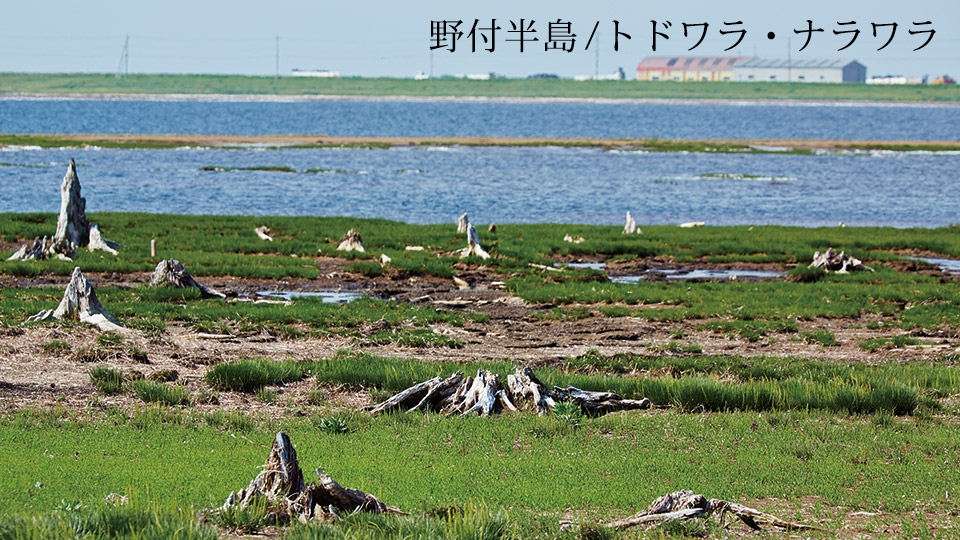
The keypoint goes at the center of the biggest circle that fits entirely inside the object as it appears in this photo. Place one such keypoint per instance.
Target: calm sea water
(372, 117)
(502, 185)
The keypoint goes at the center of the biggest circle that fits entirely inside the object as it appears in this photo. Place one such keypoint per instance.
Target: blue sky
(389, 38)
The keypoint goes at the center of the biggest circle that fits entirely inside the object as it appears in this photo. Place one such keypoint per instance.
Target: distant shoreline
(302, 98)
(799, 146)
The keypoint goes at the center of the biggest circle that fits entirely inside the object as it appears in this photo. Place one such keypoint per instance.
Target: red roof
(690, 63)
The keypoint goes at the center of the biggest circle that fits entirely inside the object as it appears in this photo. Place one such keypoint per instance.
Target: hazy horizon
(380, 39)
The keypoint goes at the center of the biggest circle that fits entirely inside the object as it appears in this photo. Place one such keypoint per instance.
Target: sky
(393, 39)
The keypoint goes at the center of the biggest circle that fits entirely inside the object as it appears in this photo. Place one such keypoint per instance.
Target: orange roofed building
(688, 68)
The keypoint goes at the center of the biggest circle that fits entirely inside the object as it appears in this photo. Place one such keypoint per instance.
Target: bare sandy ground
(516, 332)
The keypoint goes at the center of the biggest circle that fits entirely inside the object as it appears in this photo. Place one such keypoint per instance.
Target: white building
(896, 79)
(822, 71)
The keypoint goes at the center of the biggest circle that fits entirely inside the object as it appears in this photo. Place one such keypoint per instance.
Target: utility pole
(431, 64)
(596, 61)
(277, 50)
(123, 68)
(789, 66)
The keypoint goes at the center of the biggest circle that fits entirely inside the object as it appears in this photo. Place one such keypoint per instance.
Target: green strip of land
(99, 83)
(729, 146)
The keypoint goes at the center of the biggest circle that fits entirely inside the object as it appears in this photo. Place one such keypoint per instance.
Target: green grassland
(227, 245)
(809, 439)
(532, 468)
(80, 84)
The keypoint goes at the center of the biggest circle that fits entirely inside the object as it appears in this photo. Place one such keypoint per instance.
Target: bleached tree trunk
(80, 302)
(281, 484)
(473, 245)
(73, 229)
(351, 241)
(170, 271)
(631, 225)
(462, 223)
(72, 225)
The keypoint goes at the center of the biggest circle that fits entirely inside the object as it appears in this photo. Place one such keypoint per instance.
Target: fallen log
(685, 504)
(172, 272)
(840, 263)
(281, 486)
(80, 302)
(485, 395)
(473, 245)
(598, 403)
(351, 241)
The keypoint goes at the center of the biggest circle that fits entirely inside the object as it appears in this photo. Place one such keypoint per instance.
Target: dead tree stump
(485, 395)
(685, 504)
(97, 242)
(170, 271)
(631, 225)
(462, 223)
(527, 390)
(840, 263)
(80, 302)
(351, 241)
(73, 229)
(72, 225)
(264, 233)
(473, 244)
(35, 251)
(281, 486)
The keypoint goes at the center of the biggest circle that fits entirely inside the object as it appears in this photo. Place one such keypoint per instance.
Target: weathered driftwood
(485, 395)
(692, 224)
(573, 239)
(264, 233)
(350, 241)
(840, 263)
(598, 403)
(97, 242)
(473, 245)
(631, 225)
(72, 225)
(462, 223)
(172, 272)
(281, 487)
(80, 302)
(686, 504)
